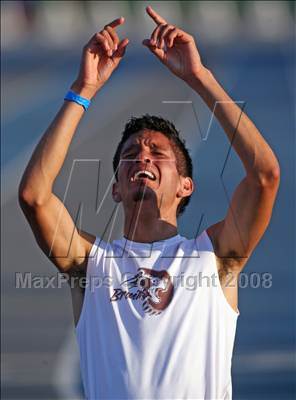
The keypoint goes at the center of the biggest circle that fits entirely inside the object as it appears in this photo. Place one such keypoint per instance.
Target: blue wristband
(71, 96)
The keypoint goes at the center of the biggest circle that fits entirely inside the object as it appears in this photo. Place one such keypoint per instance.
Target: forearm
(255, 154)
(100, 56)
(50, 153)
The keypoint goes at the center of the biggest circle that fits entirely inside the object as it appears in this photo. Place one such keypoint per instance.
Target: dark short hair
(159, 124)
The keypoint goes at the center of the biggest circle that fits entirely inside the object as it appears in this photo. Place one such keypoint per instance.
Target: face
(148, 173)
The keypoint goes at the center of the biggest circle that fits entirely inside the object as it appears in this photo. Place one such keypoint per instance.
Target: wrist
(199, 78)
(86, 91)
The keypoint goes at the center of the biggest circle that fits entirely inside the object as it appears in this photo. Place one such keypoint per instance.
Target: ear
(115, 193)
(186, 188)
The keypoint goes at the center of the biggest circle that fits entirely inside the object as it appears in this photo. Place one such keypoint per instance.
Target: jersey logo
(153, 288)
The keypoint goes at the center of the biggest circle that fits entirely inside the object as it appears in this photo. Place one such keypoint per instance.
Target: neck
(148, 226)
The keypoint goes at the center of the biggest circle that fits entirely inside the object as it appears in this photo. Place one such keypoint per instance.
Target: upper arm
(57, 235)
(247, 218)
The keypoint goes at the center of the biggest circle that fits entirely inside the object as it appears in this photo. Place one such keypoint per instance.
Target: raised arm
(235, 237)
(51, 223)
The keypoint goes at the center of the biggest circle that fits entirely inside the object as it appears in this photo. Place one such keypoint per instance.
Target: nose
(144, 157)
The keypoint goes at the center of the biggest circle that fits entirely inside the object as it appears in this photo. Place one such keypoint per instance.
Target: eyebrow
(130, 147)
(160, 147)
(136, 145)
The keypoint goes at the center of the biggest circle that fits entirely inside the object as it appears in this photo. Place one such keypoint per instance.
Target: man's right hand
(100, 57)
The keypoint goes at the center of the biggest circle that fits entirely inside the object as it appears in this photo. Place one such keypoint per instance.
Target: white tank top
(155, 323)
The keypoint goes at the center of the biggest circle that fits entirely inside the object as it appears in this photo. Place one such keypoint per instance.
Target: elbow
(270, 178)
(25, 198)
(29, 199)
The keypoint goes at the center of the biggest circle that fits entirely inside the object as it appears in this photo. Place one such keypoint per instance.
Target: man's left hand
(174, 48)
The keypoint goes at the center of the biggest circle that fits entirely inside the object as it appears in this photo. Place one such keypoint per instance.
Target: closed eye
(159, 153)
(130, 155)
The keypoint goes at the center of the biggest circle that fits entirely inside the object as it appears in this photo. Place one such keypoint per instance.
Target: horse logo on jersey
(154, 288)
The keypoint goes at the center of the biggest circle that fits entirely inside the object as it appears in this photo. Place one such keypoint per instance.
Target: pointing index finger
(116, 22)
(156, 17)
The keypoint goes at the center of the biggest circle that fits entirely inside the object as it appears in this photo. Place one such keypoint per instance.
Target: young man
(145, 334)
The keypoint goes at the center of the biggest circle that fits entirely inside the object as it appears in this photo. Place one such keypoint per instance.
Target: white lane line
(265, 361)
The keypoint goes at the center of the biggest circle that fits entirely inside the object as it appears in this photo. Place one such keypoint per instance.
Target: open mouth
(143, 174)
